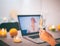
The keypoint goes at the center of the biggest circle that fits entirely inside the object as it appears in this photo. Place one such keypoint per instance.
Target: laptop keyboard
(34, 36)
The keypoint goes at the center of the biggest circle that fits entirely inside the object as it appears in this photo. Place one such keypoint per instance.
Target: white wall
(7, 5)
(50, 9)
(21, 6)
(31, 7)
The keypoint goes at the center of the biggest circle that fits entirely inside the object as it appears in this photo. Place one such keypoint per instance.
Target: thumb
(40, 31)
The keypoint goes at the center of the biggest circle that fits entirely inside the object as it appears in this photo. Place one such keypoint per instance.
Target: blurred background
(50, 9)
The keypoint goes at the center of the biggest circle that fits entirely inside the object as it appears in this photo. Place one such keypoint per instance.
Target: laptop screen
(29, 24)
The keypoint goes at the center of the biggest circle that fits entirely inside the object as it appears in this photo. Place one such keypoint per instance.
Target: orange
(58, 27)
(13, 32)
(4, 33)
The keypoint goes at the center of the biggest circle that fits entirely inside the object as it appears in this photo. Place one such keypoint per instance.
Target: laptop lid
(29, 24)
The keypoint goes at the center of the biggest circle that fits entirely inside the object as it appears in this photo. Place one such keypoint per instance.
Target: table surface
(25, 42)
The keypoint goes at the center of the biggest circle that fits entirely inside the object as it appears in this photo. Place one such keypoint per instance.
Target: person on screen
(33, 26)
(33, 21)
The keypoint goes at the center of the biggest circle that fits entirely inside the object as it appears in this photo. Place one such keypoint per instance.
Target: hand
(45, 36)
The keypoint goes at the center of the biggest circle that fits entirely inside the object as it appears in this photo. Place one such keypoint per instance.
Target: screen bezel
(20, 24)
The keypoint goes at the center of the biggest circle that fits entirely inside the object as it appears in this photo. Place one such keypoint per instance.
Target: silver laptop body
(29, 25)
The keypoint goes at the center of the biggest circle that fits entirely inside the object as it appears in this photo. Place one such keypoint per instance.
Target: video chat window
(29, 24)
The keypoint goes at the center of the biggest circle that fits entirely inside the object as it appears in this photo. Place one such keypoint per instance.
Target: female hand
(45, 36)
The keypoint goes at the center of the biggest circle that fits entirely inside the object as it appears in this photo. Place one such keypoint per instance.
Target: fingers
(41, 22)
(41, 32)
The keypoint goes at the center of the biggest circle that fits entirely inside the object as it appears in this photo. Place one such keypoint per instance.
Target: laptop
(29, 25)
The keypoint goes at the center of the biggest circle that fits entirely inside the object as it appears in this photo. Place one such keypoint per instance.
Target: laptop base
(35, 40)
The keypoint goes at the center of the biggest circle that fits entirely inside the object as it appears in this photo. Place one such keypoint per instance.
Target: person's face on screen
(33, 20)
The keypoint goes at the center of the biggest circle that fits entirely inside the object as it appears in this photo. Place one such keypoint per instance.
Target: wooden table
(24, 42)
